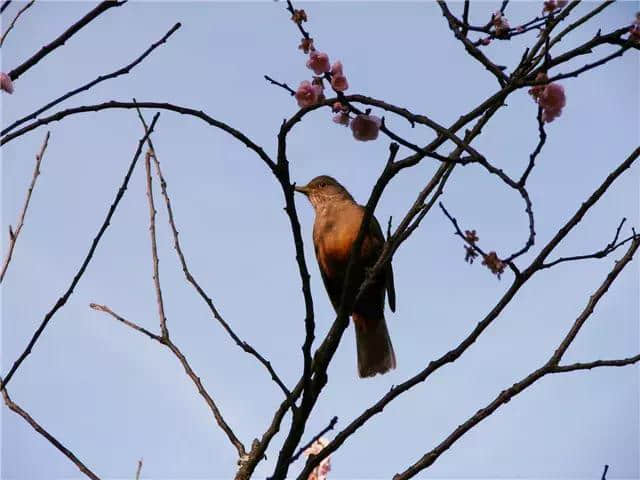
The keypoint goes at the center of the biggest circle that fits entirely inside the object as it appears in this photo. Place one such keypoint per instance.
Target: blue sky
(114, 396)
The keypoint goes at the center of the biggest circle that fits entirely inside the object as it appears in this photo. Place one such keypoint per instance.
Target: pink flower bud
(308, 94)
(339, 83)
(338, 107)
(336, 68)
(365, 127)
(341, 118)
(485, 41)
(318, 62)
(5, 83)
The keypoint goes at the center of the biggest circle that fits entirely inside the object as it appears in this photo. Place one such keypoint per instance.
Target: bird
(338, 218)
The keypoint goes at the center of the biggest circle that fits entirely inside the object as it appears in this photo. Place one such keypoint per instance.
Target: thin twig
(14, 407)
(66, 35)
(190, 278)
(13, 22)
(121, 71)
(329, 427)
(13, 234)
(154, 247)
(166, 341)
(139, 469)
(94, 245)
(548, 368)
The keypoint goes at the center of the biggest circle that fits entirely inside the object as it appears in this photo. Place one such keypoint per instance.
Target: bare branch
(13, 234)
(14, 407)
(329, 427)
(121, 71)
(153, 105)
(154, 247)
(139, 469)
(94, 245)
(597, 363)
(506, 395)
(13, 22)
(188, 370)
(190, 278)
(610, 247)
(66, 35)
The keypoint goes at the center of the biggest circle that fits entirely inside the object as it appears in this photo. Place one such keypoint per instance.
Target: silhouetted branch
(94, 245)
(13, 22)
(66, 35)
(166, 341)
(190, 278)
(14, 407)
(121, 71)
(13, 234)
(548, 368)
(329, 427)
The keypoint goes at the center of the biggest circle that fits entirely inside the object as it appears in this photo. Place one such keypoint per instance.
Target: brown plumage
(336, 226)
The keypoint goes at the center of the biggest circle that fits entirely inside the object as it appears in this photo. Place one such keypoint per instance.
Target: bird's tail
(375, 352)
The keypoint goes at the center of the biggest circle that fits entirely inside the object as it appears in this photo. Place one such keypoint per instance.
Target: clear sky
(113, 396)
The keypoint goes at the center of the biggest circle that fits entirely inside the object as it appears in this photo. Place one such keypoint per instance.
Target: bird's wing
(388, 270)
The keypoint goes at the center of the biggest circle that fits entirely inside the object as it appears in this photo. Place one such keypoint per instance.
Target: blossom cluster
(322, 470)
(550, 97)
(309, 93)
(5, 83)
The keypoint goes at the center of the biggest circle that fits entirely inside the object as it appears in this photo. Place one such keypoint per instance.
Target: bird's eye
(322, 185)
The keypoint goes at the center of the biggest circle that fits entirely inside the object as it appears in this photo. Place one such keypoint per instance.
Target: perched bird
(336, 226)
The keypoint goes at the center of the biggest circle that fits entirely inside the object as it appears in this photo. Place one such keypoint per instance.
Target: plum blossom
(552, 100)
(5, 83)
(306, 45)
(308, 94)
(365, 127)
(500, 24)
(494, 264)
(299, 16)
(338, 79)
(550, 97)
(322, 470)
(342, 118)
(318, 62)
(485, 41)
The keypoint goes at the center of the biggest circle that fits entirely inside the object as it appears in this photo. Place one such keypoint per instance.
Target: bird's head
(324, 189)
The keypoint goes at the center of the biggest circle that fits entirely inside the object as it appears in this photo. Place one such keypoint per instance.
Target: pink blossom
(318, 62)
(501, 24)
(339, 83)
(365, 127)
(308, 94)
(321, 471)
(552, 100)
(485, 41)
(336, 68)
(341, 118)
(550, 5)
(5, 83)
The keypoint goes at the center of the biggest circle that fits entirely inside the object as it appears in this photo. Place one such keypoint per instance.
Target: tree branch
(13, 22)
(13, 234)
(66, 35)
(121, 71)
(94, 245)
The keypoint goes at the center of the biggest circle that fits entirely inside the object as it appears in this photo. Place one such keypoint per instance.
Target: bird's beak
(306, 190)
